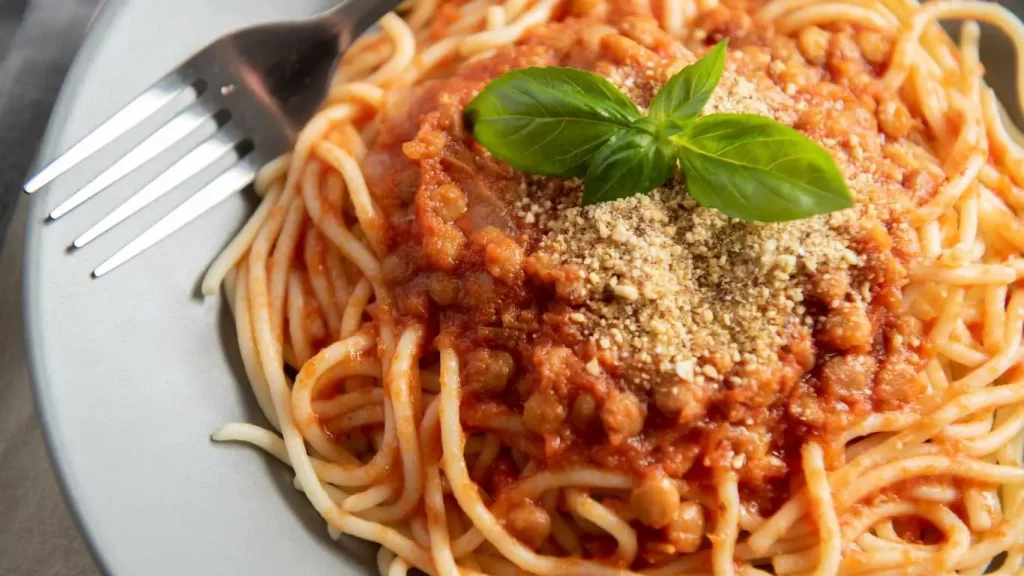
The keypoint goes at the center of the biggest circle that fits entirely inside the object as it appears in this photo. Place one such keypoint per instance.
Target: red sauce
(459, 263)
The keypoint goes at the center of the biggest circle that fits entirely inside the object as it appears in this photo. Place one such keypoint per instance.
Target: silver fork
(255, 88)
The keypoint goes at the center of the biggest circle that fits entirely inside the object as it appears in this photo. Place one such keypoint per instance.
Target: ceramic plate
(134, 371)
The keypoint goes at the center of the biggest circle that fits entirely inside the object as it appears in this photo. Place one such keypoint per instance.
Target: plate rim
(30, 271)
(57, 388)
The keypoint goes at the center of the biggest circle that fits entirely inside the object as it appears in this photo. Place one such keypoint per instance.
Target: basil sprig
(549, 121)
(566, 123)
(686, 93)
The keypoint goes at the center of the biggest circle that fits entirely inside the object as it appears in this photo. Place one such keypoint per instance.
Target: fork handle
(353, 17)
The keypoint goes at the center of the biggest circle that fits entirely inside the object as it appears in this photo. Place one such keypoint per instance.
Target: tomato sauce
(460, 262)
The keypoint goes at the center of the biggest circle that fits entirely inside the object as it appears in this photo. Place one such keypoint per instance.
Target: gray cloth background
(38, 39)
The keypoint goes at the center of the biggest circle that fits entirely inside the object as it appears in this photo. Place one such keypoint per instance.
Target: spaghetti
(465, 367)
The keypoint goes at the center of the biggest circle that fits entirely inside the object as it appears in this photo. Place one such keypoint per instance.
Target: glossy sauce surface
(464, 260)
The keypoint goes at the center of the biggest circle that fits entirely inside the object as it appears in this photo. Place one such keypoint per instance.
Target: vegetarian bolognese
(607, 287)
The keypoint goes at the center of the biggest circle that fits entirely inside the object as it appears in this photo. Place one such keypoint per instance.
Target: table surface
(38, 38)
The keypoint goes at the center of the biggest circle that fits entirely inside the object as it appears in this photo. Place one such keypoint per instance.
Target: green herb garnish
(567, 123)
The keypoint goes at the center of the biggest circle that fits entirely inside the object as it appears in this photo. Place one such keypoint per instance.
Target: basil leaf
(630, 163)
(686, 93)
(754, 168)
(548, 121)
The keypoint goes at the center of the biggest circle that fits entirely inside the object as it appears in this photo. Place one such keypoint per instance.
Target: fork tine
(188, 121)
(142, 107)
(236, 178)
(191, 164)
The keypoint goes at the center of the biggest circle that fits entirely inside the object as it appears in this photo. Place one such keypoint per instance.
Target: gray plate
(133, 372)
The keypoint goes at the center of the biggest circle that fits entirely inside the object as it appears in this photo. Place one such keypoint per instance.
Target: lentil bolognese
(474, 367)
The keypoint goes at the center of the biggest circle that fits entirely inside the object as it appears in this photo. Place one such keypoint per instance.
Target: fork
(254, 88)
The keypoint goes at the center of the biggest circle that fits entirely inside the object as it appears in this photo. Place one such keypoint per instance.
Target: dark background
(38, 39)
